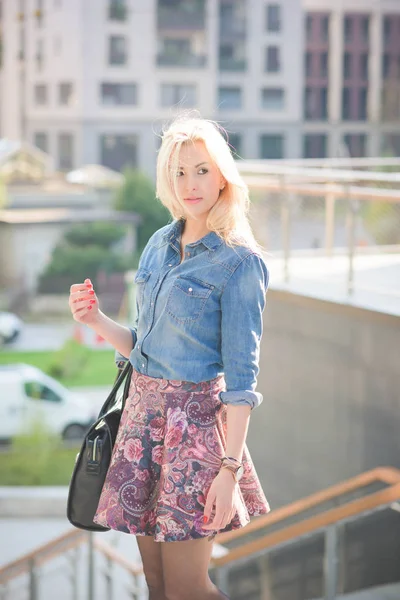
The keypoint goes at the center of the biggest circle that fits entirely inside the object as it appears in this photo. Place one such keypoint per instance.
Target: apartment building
(91, 80)
(351, 97)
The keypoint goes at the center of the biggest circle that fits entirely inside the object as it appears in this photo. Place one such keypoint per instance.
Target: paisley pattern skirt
(168, 449)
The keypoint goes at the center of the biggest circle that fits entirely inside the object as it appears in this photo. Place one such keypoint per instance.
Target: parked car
(10, 327)
(28, 394)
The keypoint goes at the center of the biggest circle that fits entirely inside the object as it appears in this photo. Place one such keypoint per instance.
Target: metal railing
(325, 524)
(320, 220)
(26, 576)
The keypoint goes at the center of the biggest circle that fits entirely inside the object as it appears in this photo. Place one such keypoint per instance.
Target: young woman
(181, 471)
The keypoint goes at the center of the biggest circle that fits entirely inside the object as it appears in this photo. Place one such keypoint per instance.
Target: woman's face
(199, 180)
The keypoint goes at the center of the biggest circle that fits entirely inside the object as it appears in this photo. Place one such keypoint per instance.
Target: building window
(273, 17)
(272, 59)
(347, 65)
(390, 144)
(65, 151)
(364, 24)
(117, 10)
(235, 145)
(184, 95)
(324, 64)
(362, 104)
(115, 94)
(117, 50)
(314, 145)
(119, 151)
(232, 56)
(325, 28)
(41, 96)
(39, 55)
(40, 140)
(273, 98)
(229, 98)
(356, 144)
(386, 30)
(386, 66)
(346, 111)
(348, 29)
(271, 146)
(65, 94)
(308, 64)
(309, 28)
(315, 103)
(364, 67)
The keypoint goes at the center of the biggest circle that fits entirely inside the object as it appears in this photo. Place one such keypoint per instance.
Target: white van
(28, 394)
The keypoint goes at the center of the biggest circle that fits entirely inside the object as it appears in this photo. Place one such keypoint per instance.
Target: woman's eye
(205, 170)
(179, 173)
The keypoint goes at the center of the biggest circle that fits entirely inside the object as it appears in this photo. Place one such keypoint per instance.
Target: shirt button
(138, 345)
(190, 289)
(143, 365)
(170, 265)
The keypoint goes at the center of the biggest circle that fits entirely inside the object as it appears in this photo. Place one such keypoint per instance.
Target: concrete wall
(330, 378)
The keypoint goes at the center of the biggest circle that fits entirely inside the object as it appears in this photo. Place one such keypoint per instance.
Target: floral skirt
(167, 453)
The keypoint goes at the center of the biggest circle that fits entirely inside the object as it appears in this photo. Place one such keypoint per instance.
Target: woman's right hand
(84, 303)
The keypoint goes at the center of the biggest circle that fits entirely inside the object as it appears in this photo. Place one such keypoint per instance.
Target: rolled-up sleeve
(242, 304)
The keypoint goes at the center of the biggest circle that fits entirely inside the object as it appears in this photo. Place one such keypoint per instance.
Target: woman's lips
(193, 200)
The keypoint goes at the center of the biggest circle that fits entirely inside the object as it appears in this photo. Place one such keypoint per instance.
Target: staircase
(342, 543)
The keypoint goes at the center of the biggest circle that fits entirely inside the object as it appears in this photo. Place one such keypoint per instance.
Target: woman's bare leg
(185, 570)
(150, 552)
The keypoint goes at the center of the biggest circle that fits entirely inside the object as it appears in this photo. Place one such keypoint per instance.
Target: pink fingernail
(91, 292)
(90, 307)
(93, 302)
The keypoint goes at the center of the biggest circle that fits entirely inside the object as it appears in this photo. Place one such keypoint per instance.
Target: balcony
(117, 11)
(181, 60)
(232, 64)
(180, 19)
(232, 28)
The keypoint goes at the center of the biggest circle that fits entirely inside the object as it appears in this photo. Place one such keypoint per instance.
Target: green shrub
(69, 361)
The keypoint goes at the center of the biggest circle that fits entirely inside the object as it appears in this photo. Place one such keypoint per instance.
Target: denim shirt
(202, 317)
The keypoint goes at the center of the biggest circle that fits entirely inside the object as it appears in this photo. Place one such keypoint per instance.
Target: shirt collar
(211, 240)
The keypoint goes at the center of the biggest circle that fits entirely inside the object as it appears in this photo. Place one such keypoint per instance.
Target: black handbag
(94, 458)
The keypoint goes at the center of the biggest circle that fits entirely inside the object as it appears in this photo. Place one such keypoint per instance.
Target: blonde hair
(228, 218)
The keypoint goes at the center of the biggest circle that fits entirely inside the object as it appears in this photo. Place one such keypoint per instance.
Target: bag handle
(124, 374)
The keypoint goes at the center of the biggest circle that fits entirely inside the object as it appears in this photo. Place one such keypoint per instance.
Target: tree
(137, 194)
(83, 252)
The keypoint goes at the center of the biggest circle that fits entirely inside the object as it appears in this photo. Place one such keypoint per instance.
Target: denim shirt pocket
(141, 277)
(187, 298)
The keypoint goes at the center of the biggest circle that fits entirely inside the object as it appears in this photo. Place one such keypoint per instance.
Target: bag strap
(124, 374)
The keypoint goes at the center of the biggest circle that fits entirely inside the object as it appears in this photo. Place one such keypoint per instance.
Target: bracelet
(231, 460)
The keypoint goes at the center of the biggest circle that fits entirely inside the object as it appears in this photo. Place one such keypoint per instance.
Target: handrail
(316, 522)
(388, 475)
(337, 190)
(58, 546)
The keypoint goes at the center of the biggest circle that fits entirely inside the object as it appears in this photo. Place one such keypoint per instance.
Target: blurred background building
(88, 81)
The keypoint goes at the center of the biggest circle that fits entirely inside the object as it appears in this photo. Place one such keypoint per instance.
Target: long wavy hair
(229, 215)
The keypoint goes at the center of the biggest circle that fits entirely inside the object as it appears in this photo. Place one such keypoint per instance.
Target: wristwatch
(235, 468)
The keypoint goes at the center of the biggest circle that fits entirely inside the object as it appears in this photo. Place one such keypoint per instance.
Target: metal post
(33, 581)
(74, 560)
(90, 566)
(329, 223)
(285, 225)
(109, 579)
(331, 562)
(353, 207)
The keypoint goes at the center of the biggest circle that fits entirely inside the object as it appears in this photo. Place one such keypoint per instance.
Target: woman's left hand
(222, 493)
